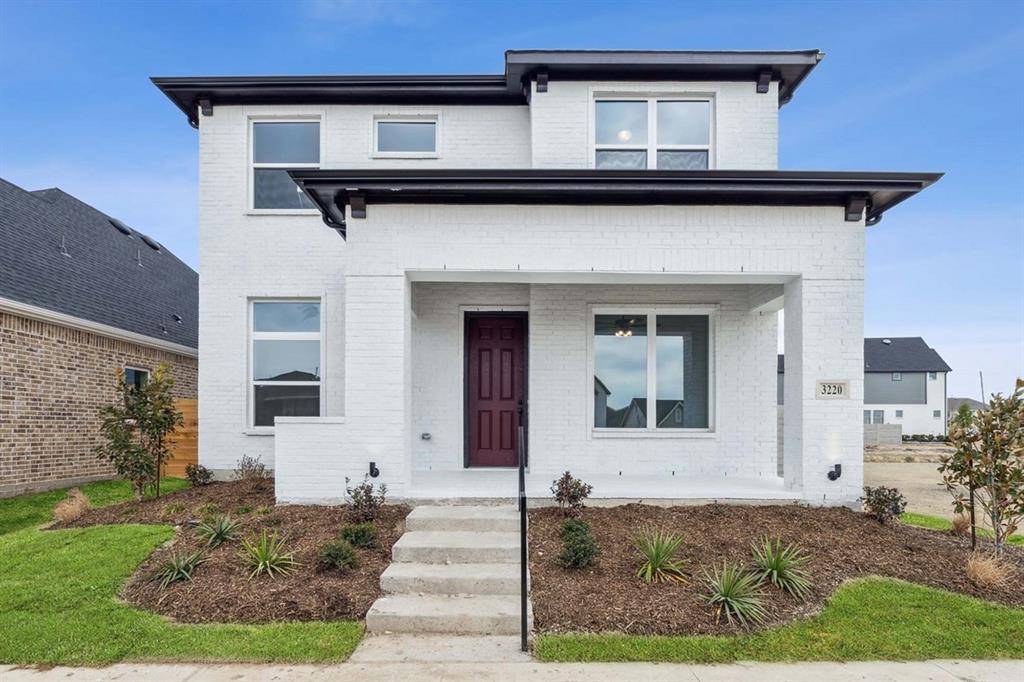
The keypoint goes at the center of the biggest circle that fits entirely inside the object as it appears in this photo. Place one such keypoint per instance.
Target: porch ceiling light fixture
(623, 327)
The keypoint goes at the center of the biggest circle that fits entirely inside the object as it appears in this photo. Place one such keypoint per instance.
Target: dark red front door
(495, 348)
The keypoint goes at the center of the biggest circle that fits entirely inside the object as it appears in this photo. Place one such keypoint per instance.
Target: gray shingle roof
(100, 278)
(900, 354)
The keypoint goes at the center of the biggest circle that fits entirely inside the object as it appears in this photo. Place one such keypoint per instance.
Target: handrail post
(523, 600)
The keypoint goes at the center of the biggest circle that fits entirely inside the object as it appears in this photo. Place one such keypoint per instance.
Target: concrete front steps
(455, 571)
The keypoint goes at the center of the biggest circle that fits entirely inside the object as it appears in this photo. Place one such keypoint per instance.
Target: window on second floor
(897, 376)
(275, 147)
(405, 137)
(652, 133)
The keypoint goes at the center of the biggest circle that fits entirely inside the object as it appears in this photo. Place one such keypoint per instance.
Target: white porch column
(377, 376)
(824, 340)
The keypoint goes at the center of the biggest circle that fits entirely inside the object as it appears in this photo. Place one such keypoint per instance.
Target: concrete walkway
(929, 671)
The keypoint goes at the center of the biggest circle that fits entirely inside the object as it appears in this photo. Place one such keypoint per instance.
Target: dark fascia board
(333, 190)
(511, 88)
(789, 67)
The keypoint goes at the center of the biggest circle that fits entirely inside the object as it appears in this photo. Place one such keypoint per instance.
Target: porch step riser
(478, 525)
(455, 555)
(456, 579)
(477, 625)
(477, 615)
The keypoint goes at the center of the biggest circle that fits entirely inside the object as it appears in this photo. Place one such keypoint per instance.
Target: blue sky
(920, 86)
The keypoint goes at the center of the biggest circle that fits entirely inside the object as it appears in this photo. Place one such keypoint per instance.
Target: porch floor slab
(480, 486)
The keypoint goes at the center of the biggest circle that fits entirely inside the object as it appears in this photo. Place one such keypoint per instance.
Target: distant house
(953, 406)
(904, 383)
(82, 297)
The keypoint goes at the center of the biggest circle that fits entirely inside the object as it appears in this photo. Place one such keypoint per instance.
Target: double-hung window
(275, 147)
(405, 137)
(285, 360)
(660, 133)
(652, 369)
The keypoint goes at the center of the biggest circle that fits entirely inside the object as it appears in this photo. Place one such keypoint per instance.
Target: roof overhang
(863, 195)
(195, 94)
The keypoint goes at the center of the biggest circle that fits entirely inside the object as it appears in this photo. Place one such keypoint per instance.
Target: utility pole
(981, 378)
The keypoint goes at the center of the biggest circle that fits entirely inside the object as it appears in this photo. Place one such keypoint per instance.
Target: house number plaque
(832, 390)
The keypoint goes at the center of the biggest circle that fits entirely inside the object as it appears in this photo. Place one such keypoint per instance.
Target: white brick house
(589, 233)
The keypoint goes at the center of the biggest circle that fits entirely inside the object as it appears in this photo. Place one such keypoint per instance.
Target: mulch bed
(841, 544)
(221, 591)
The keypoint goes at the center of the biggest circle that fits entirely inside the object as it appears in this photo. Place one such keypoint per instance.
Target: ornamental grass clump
(659, 548)
(72, 507)
(735, 593)
(266, 555)
(781, 566)
(987, 570)
(178, 567)
(218, 530)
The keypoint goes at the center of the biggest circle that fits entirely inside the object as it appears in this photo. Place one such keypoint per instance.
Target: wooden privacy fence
(184, 441)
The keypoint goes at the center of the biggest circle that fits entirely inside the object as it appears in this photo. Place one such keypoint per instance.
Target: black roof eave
(333, 190)
(789, 68)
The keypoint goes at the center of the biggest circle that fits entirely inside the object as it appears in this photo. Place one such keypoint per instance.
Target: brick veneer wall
(53, 381)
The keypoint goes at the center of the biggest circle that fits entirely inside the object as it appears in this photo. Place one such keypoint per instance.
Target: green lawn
(29, 511)
(866, 619)
(58, 605)
(939, 523)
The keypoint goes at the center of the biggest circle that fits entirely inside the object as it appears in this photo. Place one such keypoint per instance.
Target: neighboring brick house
(82, 296)
(585, 232)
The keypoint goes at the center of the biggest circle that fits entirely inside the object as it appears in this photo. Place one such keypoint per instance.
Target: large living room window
(659, 133)
(285, 360)
(276, 146)
(639, 354)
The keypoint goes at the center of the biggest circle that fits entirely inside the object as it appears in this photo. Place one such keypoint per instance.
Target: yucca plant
(658, 549)
(177, 568)
(782, 566)
(219, 529)
(265, 555)
(735, 593)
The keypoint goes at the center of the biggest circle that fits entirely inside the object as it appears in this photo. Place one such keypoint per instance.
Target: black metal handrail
(523, 597)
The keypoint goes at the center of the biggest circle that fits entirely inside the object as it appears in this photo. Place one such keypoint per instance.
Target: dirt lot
(221, 591)
(841, 544)
(907, 452)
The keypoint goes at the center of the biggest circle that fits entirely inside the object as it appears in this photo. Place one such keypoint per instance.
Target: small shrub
(243, 509)
(264, 509)
(579, 548)
(250, 469)
(72, 507)
(339, 555)
(736, 594)
(782, 566)
(659, 549)
(961, 525)
(363, 535)
(569, 493)
(363, 501)
(207, 511)
(986, 570)
(172, 508)
(883, 504)
(266, 555)
(218, 530)
(177, 568)
(198, 475)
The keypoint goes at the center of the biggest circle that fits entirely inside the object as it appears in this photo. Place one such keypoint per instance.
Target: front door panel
(495, 375)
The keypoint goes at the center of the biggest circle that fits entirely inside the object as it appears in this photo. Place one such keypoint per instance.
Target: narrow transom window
(652, 133)
(277, 146)
(412, 137)
(652, 370)
(285, 360)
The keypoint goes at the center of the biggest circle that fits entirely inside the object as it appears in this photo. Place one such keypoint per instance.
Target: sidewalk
(928, 671)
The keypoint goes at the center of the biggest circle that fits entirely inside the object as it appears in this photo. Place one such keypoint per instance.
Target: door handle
(520, 408)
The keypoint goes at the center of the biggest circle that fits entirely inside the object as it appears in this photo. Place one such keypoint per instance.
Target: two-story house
(399, 271)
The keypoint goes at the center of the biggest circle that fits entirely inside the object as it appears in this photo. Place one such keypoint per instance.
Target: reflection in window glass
(136, 378)
(681, 370)
(684, 122)
(300, 316)
(272, 400)
(621, 160)
(286, 360)
(682, 160)
(407, 136)
(620, 371)
(273, 188)
(286, 142)
(621, 123)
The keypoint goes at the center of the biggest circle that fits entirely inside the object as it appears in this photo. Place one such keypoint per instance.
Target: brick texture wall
(53, 381)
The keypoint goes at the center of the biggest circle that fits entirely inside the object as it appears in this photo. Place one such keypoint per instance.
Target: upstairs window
(285, 360)
(405, 137)
(897, 376)
(277, 146)
(135, 377)
(649, 134)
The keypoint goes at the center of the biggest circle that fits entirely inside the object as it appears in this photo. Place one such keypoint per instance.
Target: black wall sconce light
(375, 472)
(836, 472)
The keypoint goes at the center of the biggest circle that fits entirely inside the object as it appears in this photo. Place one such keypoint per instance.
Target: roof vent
(150, 242)
(177, 317)
(887, 342)
(64, 248)
(121, 227)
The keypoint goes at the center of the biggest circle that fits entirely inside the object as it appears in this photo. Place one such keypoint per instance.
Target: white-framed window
(415, 137)
(662, 133)
(878, 416)
(276, 145)
(932, 376)
(285, 359)
(897, 376)
(135, 377)
(899, 414)
(652, 369)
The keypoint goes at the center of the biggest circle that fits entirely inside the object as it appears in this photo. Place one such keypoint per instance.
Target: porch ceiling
(592, 277)
(864, 195)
